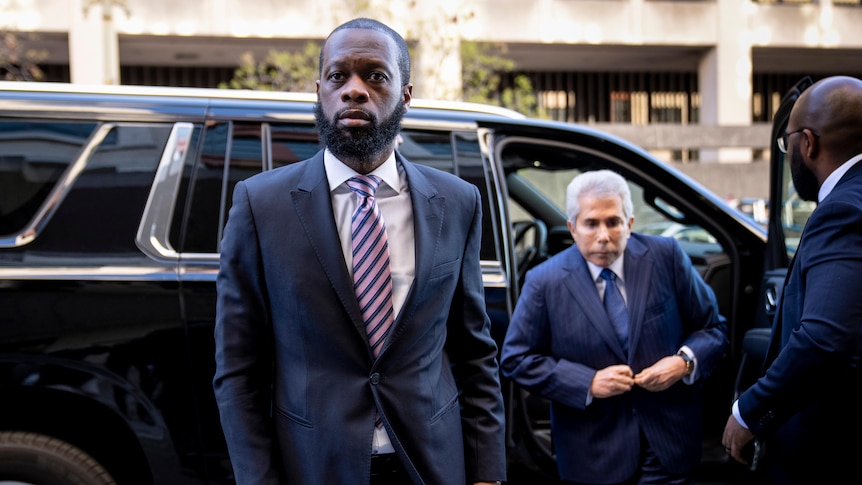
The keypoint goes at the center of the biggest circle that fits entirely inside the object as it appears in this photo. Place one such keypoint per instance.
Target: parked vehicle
(112, 206)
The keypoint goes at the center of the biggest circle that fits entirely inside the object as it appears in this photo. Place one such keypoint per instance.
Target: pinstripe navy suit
(560, 336)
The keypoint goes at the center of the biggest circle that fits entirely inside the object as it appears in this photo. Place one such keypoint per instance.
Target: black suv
(112, 206)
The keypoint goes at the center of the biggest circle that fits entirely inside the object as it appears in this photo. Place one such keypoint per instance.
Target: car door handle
(771, 300)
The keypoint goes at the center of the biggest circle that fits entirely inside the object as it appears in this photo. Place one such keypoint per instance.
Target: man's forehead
(602, 217)
(359, 44)
(360, 39)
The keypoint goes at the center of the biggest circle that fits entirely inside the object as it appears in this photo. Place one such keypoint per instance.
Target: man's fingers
(735, 453)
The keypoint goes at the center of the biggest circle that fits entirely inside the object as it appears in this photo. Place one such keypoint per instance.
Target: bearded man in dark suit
(314, 387)
(806, 407)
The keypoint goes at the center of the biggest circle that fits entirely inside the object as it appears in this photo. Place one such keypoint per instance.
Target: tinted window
(292, 143)
(217, 173)
(209, 204)
(102, 210)
(33, 156)
(432, 148)
(437, 149)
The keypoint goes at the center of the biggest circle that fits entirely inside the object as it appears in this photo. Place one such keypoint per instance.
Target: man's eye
(336, 76)
(377, 76)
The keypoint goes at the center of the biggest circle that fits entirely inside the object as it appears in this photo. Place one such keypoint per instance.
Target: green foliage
(480, 71)
(483, 65)
(278, 71)
(17, 64)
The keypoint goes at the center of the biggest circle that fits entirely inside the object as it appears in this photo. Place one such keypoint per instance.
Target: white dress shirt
(393, 199)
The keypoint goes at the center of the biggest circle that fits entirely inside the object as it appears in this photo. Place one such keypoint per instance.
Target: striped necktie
(372, 279)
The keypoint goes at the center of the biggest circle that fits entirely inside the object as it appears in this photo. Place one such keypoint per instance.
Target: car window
(231, 152)
(537, 175)
(432, 148)
(33, 157)
(292, 143)
(648, 220)
(209, 200)
(110, 191)
(457, 153)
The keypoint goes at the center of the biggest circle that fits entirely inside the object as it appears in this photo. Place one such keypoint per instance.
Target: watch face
(689, 363)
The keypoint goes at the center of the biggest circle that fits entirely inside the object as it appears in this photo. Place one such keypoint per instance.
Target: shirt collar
(616, 267)
(835, 176)
(337, 172)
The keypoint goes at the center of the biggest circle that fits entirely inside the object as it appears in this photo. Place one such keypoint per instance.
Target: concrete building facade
(723, 44)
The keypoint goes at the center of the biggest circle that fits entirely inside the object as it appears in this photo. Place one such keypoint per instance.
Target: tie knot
(364, 185)
(608, 275)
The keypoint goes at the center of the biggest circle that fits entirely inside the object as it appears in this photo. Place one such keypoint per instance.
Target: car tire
(36, 459)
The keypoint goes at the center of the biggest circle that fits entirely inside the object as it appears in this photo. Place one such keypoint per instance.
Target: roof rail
(48, 87)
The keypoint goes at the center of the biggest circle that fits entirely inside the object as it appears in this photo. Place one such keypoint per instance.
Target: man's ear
(813, 144)
(407, 92)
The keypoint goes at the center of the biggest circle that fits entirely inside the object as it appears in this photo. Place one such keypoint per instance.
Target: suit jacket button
(375, 378)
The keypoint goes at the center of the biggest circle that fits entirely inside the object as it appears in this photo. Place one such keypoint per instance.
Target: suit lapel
(313, 205)
(638, 268)
(428, 207)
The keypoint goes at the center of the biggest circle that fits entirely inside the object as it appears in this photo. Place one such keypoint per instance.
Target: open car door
(534, 161)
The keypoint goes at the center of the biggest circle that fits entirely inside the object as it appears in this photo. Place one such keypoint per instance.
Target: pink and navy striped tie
(372, 279)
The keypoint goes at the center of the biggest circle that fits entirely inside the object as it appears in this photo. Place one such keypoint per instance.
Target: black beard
(360, 144)
(804, 180)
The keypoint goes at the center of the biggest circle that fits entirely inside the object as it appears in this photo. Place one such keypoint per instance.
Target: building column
(93, 42)
(725, 79)
(439, 26)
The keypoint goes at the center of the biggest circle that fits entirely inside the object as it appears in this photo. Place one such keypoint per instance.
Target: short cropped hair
(597, 183)
(371, 24)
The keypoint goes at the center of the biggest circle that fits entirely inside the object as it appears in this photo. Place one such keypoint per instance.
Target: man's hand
(612, 381)
(661, 375)
(735, 438)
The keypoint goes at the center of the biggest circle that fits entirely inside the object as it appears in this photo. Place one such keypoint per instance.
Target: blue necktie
(615, 305)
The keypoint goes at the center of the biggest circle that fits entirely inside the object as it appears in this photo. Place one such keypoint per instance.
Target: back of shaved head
(833, 108)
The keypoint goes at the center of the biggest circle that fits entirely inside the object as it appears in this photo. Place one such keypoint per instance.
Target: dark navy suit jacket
(296, 383)
(808, 405)
(560, 336)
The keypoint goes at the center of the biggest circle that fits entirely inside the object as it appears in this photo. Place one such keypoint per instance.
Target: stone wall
(730, 180)
(740, 179)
